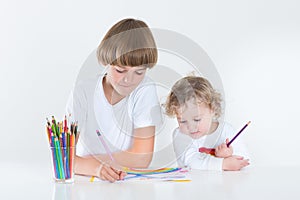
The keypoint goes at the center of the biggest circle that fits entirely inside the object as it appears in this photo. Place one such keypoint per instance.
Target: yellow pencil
(179, 180)
(92, 179)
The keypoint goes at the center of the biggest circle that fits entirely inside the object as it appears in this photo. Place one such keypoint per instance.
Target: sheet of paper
(163, 174)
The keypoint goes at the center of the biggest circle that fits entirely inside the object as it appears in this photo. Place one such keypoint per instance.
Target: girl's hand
(222, 151)
(234, 163)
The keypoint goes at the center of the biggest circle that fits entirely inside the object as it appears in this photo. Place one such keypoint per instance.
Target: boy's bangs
(140, 57)
(129, 48)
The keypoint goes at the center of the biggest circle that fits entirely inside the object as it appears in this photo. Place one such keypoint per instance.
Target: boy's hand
(234, 163)
(222, 151)
(110, 174)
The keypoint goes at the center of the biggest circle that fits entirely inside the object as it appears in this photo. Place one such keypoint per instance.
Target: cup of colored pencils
(62, 139)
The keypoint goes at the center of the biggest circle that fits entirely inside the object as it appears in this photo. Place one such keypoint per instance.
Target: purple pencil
(238, 134)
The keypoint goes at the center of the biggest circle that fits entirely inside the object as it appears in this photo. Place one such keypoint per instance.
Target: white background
(255, 46)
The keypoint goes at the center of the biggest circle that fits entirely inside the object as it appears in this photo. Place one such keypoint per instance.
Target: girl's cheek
(183, 129)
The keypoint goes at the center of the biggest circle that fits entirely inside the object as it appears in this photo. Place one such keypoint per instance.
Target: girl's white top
(187, 149)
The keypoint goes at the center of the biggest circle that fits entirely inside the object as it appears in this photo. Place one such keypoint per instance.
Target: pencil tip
(248, 122)
(98, 132)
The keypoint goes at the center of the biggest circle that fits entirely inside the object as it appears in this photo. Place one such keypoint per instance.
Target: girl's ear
(192, 73)
(213, 113)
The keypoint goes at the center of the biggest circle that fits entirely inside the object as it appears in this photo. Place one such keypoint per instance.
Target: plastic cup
(63, 164)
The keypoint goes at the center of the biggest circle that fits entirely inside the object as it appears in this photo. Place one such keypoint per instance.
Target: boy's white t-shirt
(89, 107)
(187, 149)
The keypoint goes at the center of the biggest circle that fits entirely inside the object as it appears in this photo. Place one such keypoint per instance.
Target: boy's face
(125, 79)
(195, 119)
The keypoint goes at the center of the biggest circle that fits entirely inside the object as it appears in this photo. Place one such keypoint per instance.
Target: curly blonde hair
(193, 87)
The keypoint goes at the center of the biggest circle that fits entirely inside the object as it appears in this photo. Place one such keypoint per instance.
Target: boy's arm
(139, 155)
(90, 166)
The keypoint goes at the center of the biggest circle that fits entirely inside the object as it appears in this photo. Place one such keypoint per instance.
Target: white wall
(255, 46)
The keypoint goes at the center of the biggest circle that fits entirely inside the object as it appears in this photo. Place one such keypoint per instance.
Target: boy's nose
(128, 78)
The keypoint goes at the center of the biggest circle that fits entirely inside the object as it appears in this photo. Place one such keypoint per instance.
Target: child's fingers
(245, 163)
(115, 170)
(122, 175)
(107, 173)
(238, 157)
(112, 175)
(227, 141)
(219, 148)
(224, 145)
(119, 170)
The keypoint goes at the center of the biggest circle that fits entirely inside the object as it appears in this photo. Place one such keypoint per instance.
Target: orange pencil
(72, 151)
(48, 134)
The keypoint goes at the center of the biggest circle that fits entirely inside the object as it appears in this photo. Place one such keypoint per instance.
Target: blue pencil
(54, 157)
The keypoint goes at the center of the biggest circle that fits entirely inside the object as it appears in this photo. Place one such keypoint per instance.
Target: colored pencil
(72, 152)
(65, 124)
(54, 160)
(179, 180)
(62, 144)
(104, 145)
(58, 159)
(229, 143)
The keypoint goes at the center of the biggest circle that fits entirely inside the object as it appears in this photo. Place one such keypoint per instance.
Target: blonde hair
(193, 87)
(128, 43)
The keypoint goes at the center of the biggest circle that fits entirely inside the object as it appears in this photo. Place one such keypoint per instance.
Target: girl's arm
(234, 163)
(222, 151)
(208, 162)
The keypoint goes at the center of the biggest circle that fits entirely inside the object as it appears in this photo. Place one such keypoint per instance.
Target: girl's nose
(192, 127)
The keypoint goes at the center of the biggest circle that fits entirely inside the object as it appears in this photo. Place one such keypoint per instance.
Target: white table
(252, 183)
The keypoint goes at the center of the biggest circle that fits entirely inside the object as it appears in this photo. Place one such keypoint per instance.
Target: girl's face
(125, 79)
(195, 119)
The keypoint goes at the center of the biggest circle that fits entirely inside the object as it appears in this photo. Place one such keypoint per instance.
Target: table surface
(280, 182)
